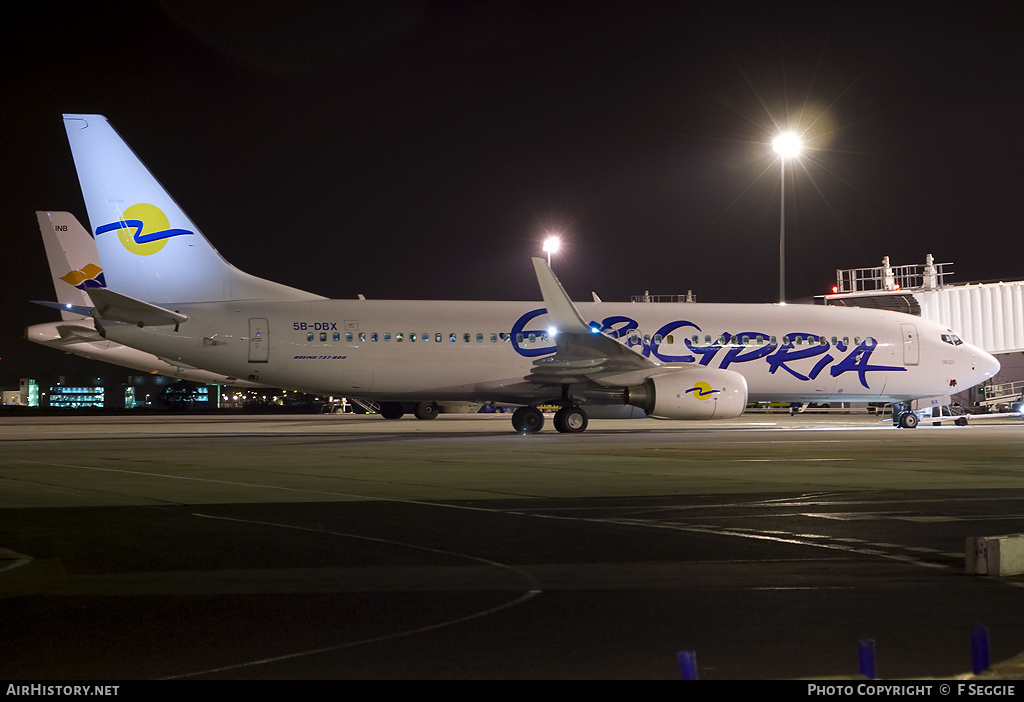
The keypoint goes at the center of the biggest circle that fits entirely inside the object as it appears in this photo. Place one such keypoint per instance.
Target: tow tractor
(937, 410)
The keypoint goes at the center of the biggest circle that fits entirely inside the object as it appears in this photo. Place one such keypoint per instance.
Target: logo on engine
(702, 390)
(143, 229)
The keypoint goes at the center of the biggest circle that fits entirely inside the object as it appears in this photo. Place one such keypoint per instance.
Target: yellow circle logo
(143, 229)
(702, 390)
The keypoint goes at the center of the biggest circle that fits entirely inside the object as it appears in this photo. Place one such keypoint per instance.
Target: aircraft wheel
(571, 420)
(527, 420)
(961, 421)
(908, 421)
(391, 410)
(426, 410)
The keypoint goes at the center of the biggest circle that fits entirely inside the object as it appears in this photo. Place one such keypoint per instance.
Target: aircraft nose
(985, 365)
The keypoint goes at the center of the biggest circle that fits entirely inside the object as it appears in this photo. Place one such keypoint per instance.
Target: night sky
(422, 149)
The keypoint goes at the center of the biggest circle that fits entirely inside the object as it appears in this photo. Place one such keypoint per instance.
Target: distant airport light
(551, 245)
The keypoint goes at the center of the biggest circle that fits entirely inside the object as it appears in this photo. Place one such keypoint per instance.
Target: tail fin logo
(90, 276)
(143, 229)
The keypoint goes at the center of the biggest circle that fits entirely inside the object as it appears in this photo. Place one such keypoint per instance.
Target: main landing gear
(571, 419)
(422, 410)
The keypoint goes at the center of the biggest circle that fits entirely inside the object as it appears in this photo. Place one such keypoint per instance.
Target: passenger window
(519, 338)
(657, 339)
(451, 337)
(323, 336)
(399, 336)
(465, 337)
(707, 339)
(437, 337)
(479, 338)
(494, 338)
(309, 336)
(362, 336)
(669, 339)
(373, 337)
(785, 340)
(426, 338)
(412, 337)
(387, 336)
(533, 338)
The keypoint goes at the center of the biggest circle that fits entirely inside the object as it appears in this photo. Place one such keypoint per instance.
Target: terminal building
(89, 392)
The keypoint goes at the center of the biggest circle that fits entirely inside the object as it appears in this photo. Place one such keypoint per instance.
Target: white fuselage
(454, 350)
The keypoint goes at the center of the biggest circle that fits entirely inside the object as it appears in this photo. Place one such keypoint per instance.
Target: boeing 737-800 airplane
(169, 293)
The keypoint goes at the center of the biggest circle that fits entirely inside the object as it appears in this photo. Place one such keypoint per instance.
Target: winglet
(561, 312)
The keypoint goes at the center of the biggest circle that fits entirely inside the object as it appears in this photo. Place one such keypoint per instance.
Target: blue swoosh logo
(138, 235)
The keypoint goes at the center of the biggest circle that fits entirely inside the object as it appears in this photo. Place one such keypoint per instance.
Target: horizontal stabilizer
(65, 307)
(116, 307)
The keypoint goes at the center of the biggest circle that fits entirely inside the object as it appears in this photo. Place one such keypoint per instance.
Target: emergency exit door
(259, 341)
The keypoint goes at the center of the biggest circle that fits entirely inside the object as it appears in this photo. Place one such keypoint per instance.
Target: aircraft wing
(582, 352)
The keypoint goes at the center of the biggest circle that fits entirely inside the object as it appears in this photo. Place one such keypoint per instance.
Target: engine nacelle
(692, 393)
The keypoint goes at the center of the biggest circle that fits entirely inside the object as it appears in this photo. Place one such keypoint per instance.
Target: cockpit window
(952, 339)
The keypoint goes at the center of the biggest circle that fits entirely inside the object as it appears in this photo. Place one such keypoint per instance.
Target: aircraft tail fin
(149, 248)
(74, 261)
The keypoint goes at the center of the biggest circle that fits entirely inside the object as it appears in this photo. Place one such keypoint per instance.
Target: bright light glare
(551, 244)
(787, 145)
(552, 331)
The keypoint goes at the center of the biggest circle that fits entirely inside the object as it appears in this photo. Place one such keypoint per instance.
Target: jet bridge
(988, 315)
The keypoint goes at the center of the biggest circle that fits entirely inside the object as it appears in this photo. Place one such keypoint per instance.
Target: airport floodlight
(786, 146)
(551, 245)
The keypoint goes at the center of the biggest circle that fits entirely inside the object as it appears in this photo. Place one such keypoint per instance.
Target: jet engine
(692, 393)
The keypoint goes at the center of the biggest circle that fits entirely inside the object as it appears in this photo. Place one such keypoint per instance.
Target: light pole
(786, 146)
(551, 245)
